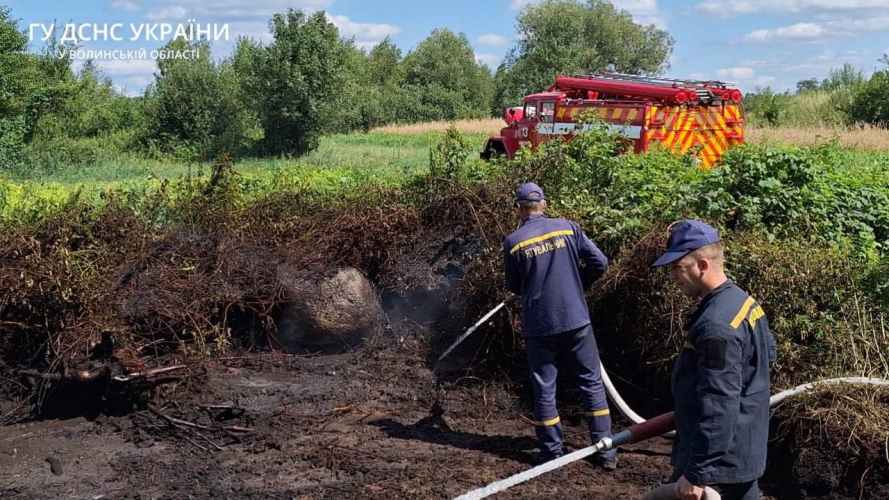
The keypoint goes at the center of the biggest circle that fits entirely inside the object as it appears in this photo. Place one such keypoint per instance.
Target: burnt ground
(357, 425)
(373, 423)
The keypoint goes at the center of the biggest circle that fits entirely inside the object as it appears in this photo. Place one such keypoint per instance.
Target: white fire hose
(665, 492)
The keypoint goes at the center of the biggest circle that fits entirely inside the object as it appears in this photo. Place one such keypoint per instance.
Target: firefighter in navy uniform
(721, 382)
(543, 265)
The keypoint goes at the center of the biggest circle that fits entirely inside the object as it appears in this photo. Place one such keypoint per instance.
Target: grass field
(388, 155)
(378, 152)
(387, 158)
(389, 152)
(865, 138)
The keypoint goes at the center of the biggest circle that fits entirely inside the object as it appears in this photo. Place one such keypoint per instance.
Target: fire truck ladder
(643, 86)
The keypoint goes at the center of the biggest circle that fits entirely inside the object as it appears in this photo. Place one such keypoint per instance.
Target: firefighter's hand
(687, 491)
(511, 298)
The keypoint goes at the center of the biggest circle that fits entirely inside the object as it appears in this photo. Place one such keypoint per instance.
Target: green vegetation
(278, 99)
(339, 160)
(564, 37)
(274, 100)
(845, 97)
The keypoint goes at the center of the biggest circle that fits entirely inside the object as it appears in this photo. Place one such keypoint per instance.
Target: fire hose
(641, 429)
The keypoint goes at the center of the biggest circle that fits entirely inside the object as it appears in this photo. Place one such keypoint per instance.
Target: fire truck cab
(704, 118)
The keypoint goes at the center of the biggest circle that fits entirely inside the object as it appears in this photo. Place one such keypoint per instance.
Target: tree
(559, 37)
(765, 104)
(870, 103)
(845, 79)
(194, 103)
(29, 88)
(382, 64)
(294, 78)
(15, 66)
(443, 74)
(357, 105)
(807, 85)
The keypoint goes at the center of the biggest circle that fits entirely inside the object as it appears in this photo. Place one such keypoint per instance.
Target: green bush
(814, 108)
(870, 102)
(443, 73)
(12, 143)
(447, 160)
(810, 191)
(293, 80)
(192, 109)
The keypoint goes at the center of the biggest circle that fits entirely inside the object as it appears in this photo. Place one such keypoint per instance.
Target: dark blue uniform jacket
(721, 389)
(543, 266)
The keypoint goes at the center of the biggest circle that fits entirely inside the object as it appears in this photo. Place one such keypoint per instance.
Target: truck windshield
(530, 112)
(547, 111)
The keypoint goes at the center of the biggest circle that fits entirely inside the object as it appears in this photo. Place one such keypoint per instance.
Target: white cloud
(820, 32)
(126, 67)
(698, 76)
(489, 59)
(643, 11)
(366, 45)
(257, 30)
(167, 14)
(362, 31)
(854, 27)
(139, 81)
(820, 64)
(122, 89)
(366, 35)
(125, 5)
(492, 40)
(237, 10)
(740, 7)
(799, 31)
(754, 63)
(130, 86)
(744, 77)
(739, 73)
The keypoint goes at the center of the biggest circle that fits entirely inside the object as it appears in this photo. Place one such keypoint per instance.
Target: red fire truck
(701, 117)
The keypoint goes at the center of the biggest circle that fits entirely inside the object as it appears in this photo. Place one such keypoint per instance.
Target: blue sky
(749, 42)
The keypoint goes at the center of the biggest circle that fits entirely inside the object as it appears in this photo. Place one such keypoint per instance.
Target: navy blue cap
(687, 236)
(529, 192)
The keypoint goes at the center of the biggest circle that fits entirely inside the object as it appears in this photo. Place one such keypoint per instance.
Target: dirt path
(338, 427)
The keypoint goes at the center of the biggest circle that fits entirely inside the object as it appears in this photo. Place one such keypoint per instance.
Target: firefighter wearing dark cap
(543, 265)
(721, 382)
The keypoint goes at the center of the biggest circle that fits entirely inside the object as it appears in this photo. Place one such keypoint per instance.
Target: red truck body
(696, 117)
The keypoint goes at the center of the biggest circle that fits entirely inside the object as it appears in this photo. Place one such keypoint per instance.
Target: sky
(752, 43)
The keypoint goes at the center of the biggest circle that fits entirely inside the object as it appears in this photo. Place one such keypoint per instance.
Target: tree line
(277, 98)
(845, 97)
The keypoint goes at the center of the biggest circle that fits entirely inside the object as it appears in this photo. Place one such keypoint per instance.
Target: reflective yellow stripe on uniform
(552, 421)
(743, 312)
(688, 345)
(598, 413)
(755, 314)
(523, 244)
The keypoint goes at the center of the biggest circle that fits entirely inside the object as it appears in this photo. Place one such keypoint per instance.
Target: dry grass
(853, 419)
(864, 137)
(482, 126)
